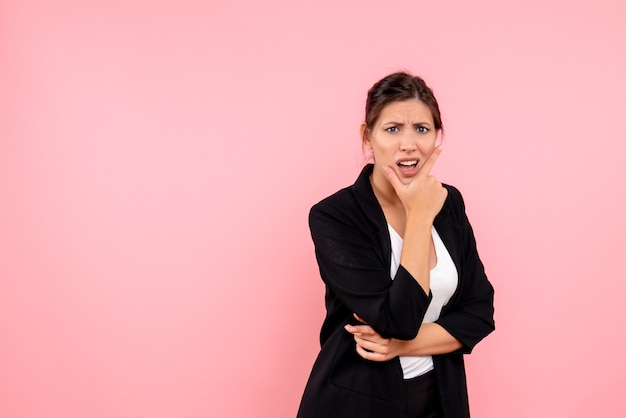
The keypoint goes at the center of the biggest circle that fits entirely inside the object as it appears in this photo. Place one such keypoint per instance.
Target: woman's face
(403, 138)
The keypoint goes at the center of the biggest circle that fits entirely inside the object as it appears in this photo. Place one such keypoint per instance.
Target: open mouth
(408, 164)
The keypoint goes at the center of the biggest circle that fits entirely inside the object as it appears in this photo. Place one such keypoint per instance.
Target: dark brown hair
(399, 87)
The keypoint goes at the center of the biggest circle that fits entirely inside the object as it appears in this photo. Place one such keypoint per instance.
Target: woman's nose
(408, 146)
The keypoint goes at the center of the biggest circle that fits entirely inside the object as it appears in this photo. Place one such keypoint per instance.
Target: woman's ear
(365, 137)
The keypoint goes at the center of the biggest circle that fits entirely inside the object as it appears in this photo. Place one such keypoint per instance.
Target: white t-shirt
(444, 279)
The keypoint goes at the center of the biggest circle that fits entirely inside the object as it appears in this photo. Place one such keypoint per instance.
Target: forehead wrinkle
(409, 112)
(407, 121)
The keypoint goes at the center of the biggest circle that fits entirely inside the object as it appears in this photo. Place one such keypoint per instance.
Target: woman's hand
(432, 339)
(371, 346)
(424, 194)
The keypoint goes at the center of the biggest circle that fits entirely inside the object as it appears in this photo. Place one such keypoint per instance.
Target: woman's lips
(408, 168)
(407, 163)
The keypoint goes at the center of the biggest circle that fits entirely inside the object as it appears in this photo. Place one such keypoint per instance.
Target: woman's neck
(384, 191)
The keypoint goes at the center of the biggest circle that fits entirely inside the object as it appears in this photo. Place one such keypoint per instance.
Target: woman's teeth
(408, 163)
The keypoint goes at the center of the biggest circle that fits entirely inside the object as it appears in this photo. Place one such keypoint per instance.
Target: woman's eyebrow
(391, 122)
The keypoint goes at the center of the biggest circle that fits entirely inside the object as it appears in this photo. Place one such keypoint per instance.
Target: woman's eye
(421, 129)
(392, 129)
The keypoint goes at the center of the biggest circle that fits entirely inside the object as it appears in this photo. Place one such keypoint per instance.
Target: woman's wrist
(417, 219)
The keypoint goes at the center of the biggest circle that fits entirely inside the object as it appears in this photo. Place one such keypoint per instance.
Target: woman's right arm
(422, 199)
(360, 277)
(352, 266)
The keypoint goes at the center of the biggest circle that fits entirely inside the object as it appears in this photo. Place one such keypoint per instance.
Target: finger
(368, 355)
(363, 343)
(360, 329)
(366, 343)
(392, 177)
(364, 353)
(361, 320)
(431, 160)
(372, 343)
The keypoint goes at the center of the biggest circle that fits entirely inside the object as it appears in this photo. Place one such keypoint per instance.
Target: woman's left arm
(459, 328)
(431, 339)
(469, 318)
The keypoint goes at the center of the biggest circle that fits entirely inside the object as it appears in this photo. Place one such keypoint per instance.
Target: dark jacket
(353, 251)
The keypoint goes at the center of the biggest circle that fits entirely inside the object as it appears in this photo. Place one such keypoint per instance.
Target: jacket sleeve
(470, 319)
(352, 266)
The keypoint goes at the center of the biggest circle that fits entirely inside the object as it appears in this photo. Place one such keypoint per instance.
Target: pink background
(158, 160)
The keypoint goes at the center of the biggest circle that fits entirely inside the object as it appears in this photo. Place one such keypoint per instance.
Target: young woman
(406, 293)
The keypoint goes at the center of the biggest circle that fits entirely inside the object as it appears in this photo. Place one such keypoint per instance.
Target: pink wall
(158, 160)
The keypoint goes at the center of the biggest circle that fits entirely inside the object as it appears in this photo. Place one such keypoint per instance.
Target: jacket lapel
(450, 232)
(364, 195)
